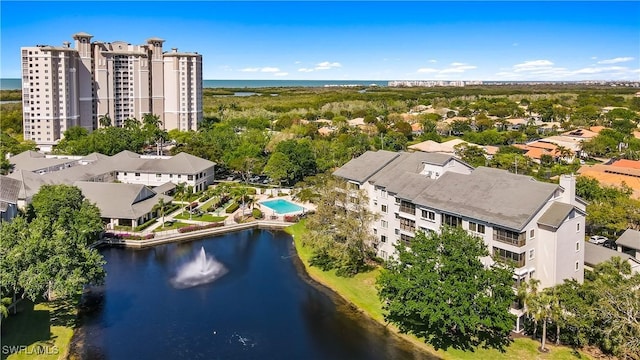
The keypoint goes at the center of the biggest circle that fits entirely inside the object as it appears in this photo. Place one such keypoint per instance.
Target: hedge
(291, 218)
(199, 227)
(128, 236)
(145, 225)
(233, 207)
(256, 213)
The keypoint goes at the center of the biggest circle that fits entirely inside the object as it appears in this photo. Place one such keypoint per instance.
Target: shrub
(191, 228)
(128, 236)
(233, 207)
(256, 213)
(145, 225)
(291, 218)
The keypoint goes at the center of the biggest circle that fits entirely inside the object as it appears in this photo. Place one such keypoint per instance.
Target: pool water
(282, 206)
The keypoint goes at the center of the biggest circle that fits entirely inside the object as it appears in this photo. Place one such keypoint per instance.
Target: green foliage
(471, 154)
(11, 118)
(47, 252)
(604, 311)
(233, 207)
(256, 213)
(439, 290)
(339, 229)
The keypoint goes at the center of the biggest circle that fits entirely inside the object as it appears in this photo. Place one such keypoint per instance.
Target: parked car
(598, 240)
(611, 244)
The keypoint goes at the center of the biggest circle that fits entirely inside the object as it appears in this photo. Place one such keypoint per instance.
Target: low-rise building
(538, 227)
(9, 190)
(629, 243)
(596, 254)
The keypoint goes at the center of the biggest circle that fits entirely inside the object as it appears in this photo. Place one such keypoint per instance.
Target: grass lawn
(360, 290)
(205, 217)
(175, 225)
(45, 329)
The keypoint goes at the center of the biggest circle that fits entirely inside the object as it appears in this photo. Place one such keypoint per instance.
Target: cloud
(532, 65)
(270, 69)
(266, 69)
(433, 61)
(545, 70)
(616, 60)
(281, 74)
(326, 65)
(454, 68)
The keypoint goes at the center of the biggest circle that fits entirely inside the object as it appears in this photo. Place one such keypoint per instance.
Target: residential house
(9, 190)
(597, 254)
(616, 173)
(629, 243)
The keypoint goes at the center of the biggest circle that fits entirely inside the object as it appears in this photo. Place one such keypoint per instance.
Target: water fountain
(200, 270)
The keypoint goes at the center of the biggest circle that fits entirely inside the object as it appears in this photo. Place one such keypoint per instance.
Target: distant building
(629, 243)
(64, 87)
(616, 173)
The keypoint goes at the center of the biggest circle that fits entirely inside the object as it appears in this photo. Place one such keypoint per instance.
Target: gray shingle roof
(596, 254)
(32, 161)
(366, 165)
(630, 238)
(555, 214)
(121, 201)
(182, 163)
(9, 189)
(492, 195)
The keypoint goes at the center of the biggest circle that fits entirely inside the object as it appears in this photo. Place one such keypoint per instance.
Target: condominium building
(538, 227)
(65, 86)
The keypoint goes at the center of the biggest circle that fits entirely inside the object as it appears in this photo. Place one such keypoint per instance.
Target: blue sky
(361, 40)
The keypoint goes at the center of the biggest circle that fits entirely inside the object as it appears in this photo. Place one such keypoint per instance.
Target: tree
(160, 207)
(47, 253)
(471, 154)
(339, 233)
(278, 167)
(105, 120)
(439, 290)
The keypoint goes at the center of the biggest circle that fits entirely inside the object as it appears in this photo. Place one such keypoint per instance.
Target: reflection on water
(263, 307)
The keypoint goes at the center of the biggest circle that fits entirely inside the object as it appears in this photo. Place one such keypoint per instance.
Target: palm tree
(243, 192)
(527, 293)
(105, 120)
(180, 192)
(160, 207)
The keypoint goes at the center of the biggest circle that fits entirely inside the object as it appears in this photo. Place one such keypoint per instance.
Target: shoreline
(419, 345)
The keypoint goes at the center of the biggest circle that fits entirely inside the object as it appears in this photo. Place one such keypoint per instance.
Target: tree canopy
(46, 253)
(438, 289)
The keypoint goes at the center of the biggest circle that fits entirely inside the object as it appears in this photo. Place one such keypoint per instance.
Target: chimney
(174, 50)
(568, 183)
(66, 44)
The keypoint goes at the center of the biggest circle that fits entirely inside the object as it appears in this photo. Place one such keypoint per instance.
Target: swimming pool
(281, 206)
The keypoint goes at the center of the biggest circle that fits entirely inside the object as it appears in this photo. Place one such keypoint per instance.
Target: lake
(263, 307)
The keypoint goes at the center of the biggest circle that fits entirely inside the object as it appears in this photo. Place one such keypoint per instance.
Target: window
(577, 245)
(383, 238)
(451, 220)
(137, 174)
(509, 237)
(406, 239)
(429, 215)
(532, 234)
(158, 175)
(384, 224)
(577, 227)
(407, 224)
(508, 256)
(532, 253)
(353, 186)
(383, 194)
(475, 227)
(384, 208)
(577, 265)
(407, 207)
(189, 177)
(397, 231)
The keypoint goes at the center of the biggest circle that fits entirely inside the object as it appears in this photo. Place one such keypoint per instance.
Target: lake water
(264, 307)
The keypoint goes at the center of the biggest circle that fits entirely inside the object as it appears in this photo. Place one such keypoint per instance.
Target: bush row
(127, 236)
(191, 228)
(233, 207)
(291, 218)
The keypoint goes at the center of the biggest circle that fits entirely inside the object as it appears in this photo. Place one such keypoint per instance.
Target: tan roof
(613, 176)
(624, 163)
(446, 147)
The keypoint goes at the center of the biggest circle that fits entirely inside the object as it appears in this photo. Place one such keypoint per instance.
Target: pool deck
(272, 220)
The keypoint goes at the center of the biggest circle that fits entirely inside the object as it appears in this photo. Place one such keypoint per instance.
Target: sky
(361, 40)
